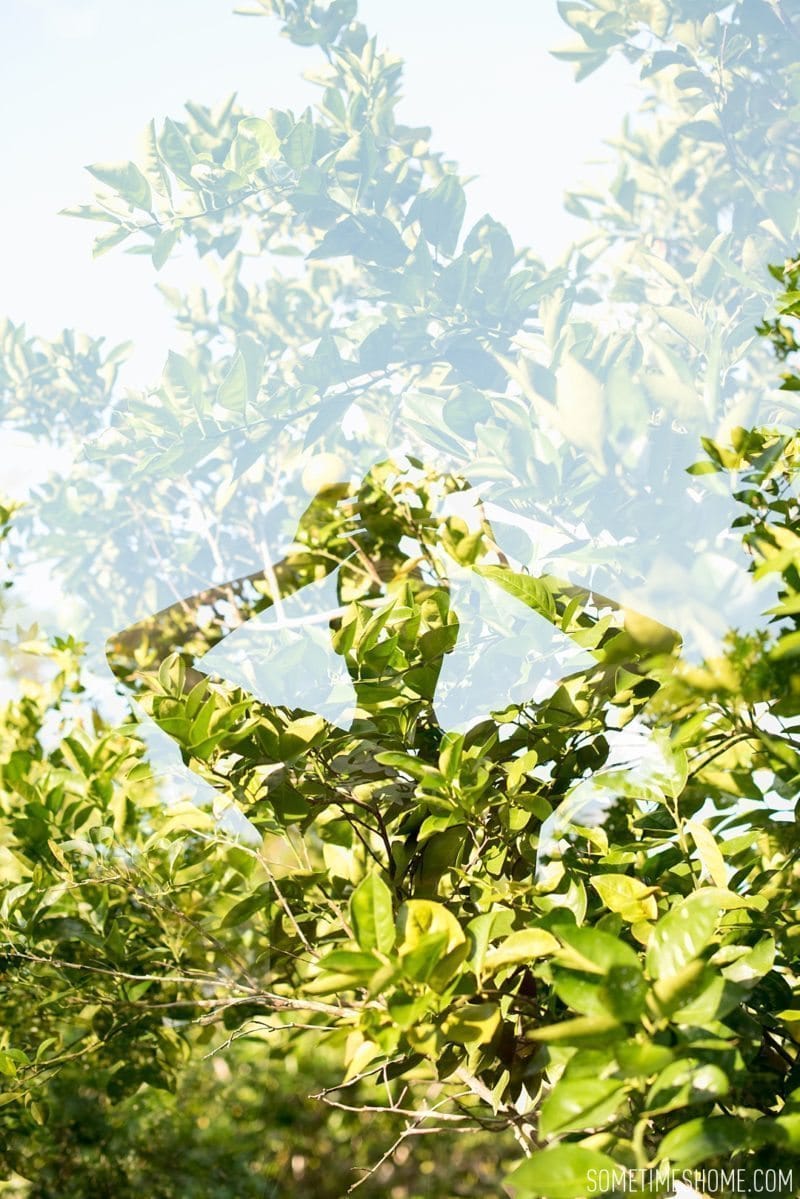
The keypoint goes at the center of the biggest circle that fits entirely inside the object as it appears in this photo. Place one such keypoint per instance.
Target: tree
(504, 931)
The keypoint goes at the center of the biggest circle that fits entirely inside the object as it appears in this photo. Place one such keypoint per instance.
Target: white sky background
(82, 77)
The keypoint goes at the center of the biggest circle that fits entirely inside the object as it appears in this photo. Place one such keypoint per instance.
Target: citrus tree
(510, 949)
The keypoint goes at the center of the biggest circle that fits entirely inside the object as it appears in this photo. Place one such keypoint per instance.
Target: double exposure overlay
(398, 695)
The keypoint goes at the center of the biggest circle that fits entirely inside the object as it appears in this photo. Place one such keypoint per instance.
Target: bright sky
(82, 77)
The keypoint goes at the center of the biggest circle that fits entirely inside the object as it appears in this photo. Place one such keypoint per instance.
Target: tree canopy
(512, 926)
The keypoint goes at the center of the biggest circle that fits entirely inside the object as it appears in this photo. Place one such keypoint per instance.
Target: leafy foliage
(513, 937)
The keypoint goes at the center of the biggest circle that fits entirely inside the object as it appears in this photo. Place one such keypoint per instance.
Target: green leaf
(232, 392)
(181, 378)
(419, 917)
(679, 988)
(473, 1024)
(685, 1082)
(163, 246)
(8, 1066)
(625, 993)
(562, 1172)
(582, 992)
(686, 325)
(594, 951)
(245, 908)
(712, 1002)
(108, 240)
(298, 147)
(127, 180)
(752, 965)
(89, 212)
(784, 1130)
(152, 161)
(520, 947)
(641, 1059)
(683, 933)
(436, 934)
(698, 1140)
(528, 590)
(301, 735)
(709, 853)
(408, 764)
(632, 899)
(256, 143)
(345, 961)
(368, 237)
(621, 994)
(450, 755)
(177, 154)
(425, 956)
(465, 410)
(580, 1103)
(440, 213)
(595, 1031)
(372, 915)
(702, 131)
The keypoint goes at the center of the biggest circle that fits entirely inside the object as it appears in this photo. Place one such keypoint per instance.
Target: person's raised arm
(194, 625)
